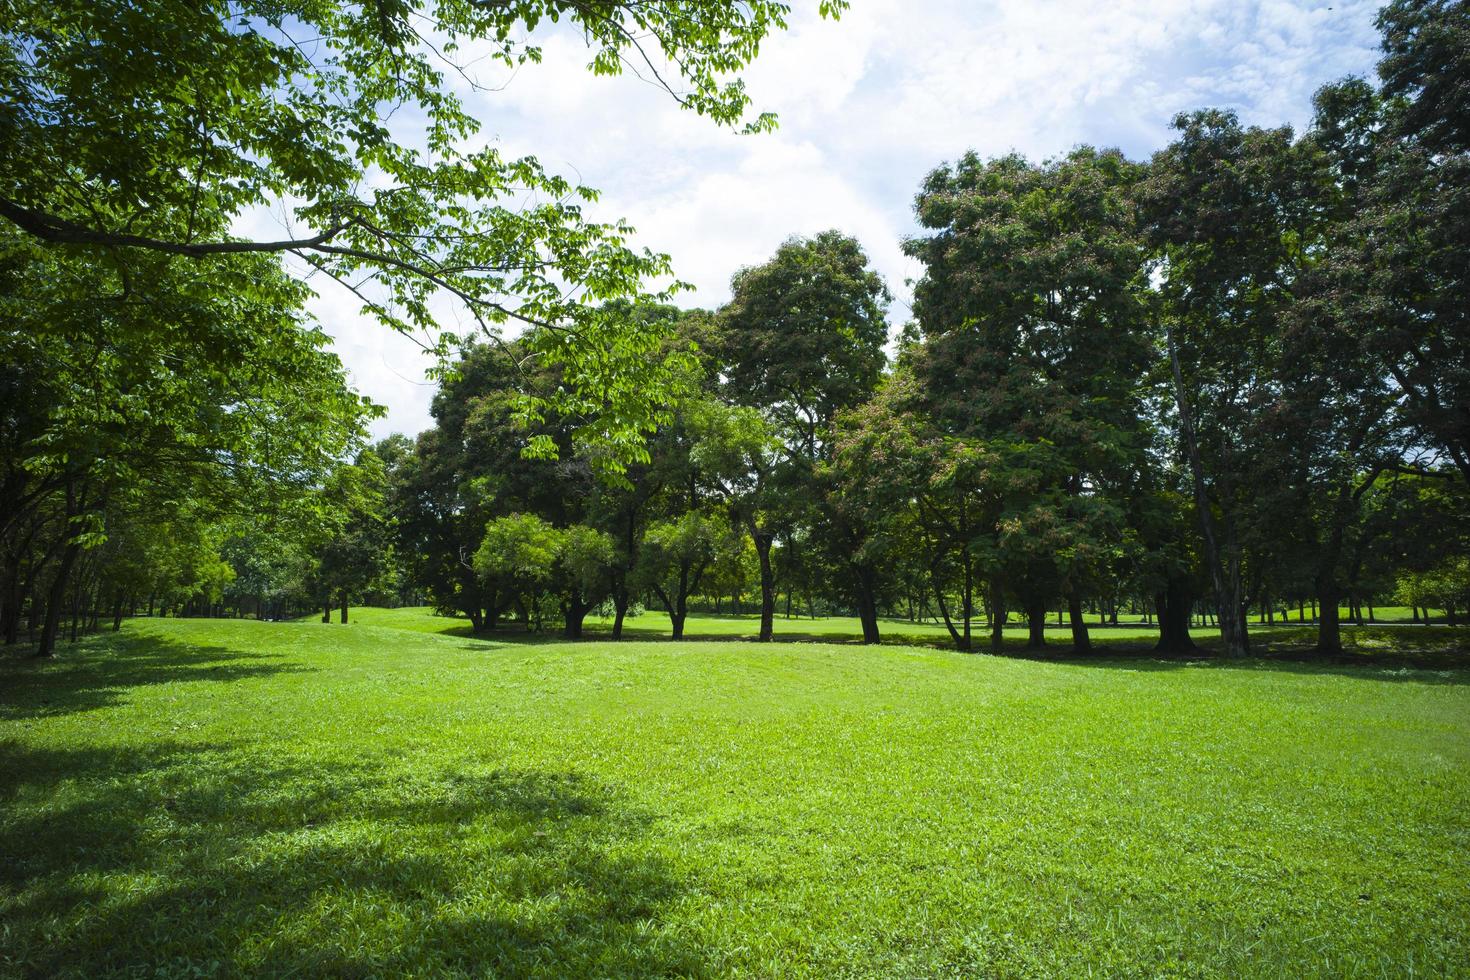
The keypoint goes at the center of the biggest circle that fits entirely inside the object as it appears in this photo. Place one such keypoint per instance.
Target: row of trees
(151, 413)
(172, 429)
(1234, 375)
(1236, 372)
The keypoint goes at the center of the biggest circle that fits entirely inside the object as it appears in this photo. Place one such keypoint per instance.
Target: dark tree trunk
(117, 611)
(344, 606)
(620, 610)
(997, 616)
(1174, 605)
(867, 604)
(954, 634)
(575, 610)
(76, 605)
(13, 598)
(1036, 623)
(1081, 642)
(1224, 567)
(10, 603)
(327, 609)
(968, 598)
(51, 625)
(763, 541)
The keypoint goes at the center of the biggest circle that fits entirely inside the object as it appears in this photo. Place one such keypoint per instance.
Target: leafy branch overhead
(158, 125)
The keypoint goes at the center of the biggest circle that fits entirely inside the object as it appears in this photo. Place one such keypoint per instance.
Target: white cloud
(868, 105)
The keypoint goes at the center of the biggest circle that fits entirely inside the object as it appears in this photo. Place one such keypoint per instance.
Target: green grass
(222, 797)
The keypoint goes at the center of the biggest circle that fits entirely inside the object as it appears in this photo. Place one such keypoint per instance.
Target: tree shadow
(1435, 656)
(97, 672)
(225, 859)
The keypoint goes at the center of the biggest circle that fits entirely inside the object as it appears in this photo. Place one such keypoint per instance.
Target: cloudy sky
(868, 105)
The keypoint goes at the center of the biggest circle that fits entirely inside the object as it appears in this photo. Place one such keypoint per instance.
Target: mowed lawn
(221, 797)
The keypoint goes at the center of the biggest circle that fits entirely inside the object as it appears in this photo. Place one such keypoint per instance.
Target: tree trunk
(13, 598)
(1174, 605)
(954, 634)
(1226, 579)
(76, 603)
(968, 599)
(344, 605)
(867, 604)
(997, 616)
(1081, 642)
(1036, 624)
(763, 542)
(51, 625)
(575, 611)
(327, 609)
(620, 610)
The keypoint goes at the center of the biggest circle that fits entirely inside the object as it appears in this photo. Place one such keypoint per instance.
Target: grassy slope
(238, 796)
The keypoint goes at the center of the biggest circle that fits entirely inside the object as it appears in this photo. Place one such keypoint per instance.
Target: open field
(202, 796)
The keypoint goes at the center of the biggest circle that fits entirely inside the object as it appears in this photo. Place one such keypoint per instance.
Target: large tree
(1036, 338)
(1227, 208)
(801, 340)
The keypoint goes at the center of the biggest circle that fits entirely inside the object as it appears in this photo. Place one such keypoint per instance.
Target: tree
(150, 127)
(802, 336)
(676, 555)
(195, 384)
(1402, 242)
(470, 468)
(1035, 341)
(802, 339)
(355, 550)
(1226, 207)
(736, 456)
(533, 556)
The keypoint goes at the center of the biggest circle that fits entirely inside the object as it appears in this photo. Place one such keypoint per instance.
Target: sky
(868, 105)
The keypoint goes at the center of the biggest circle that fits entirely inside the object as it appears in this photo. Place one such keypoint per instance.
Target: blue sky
(868, 105)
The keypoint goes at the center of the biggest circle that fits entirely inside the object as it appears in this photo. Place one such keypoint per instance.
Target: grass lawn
(220, 797)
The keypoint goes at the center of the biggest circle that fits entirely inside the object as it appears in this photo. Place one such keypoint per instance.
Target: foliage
(131, 128)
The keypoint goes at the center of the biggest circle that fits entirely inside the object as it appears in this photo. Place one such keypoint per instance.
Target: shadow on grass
(98, 670)
(1383, 651)
(226, 859)
(1435, 655)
